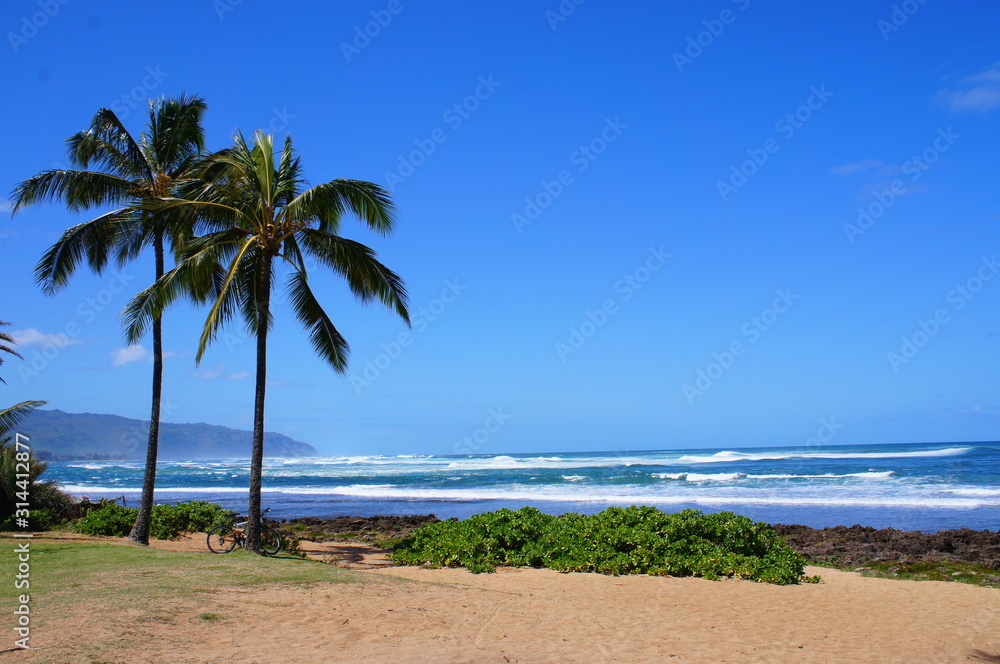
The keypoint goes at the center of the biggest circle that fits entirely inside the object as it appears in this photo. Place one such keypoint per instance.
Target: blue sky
(635, 226)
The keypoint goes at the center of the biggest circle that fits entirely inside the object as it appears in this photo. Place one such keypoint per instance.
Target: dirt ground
(414, 615)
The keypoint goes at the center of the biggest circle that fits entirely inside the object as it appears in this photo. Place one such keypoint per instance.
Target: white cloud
(205, 373)
(857, 167)
(874, 189)
(281, 382)
(32, 337)
(5, 205)
(217, 372)
(979, 93)
(123, 356)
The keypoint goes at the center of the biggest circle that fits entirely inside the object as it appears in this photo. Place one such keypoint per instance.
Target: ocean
(926, 487)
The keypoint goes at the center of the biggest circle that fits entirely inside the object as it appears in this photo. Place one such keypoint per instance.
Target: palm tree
(127, 173)
(253, 210)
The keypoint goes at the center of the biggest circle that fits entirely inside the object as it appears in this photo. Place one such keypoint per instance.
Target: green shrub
(40, 519)
(199, 515)
(19, 483)
(631, 540)
(290, 544)
(167, 523)
(190, 517)
(112, 520)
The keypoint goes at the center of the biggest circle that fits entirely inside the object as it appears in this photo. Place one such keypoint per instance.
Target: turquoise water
(925, 487)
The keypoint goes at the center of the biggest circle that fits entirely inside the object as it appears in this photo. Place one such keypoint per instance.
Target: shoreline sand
(414, 615)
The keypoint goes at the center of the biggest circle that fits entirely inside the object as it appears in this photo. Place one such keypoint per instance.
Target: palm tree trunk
(257, 453)
(143, 520)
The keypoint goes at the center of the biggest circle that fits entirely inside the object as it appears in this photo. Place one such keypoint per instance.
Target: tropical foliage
(6, 346)
(10, 416)
(257, 220)
(632, 540)
(168, 520)
(128, 174)
(45, 500)
(19, 470)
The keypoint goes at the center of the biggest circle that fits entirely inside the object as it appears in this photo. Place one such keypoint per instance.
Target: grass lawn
(110, 591)
(957, 571)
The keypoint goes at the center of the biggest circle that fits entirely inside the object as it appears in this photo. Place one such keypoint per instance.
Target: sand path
(528, 615)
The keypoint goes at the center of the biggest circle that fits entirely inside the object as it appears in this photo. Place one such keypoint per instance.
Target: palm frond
(228, 296)
(252, 291)
(134, 238)
(367, 278)
(174, 133)
(289, 181)
(78, 190)
(330, 201)
(92, 241)
(197, 277)
(7, 339)
(326, 340)
(251, 192)
(263, 170)
(109, 145)
(12, 416)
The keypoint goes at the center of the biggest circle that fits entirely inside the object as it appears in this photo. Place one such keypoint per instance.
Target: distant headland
(61, 436)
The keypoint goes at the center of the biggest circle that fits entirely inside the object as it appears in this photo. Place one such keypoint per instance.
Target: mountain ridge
(62, 436)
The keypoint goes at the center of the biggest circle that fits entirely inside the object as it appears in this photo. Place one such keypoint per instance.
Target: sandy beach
(416, 615)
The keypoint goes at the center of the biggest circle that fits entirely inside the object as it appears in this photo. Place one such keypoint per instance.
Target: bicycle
(223, 539)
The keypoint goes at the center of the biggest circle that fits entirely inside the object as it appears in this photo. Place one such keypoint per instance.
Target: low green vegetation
(306, 532)
(20, 482)
(632, 540)
(169, 521)
(38, 519)
(924, 570)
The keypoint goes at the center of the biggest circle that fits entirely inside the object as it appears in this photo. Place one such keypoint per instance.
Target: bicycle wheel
(270, 542)
(221, 539)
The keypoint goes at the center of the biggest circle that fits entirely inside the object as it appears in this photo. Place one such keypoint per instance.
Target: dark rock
(856, 545)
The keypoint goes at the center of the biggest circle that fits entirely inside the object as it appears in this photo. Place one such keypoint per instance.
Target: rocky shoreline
(842, 545)
(860, 545)
(367, 529)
